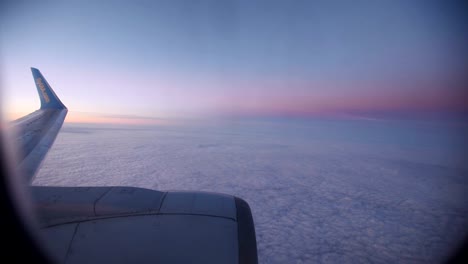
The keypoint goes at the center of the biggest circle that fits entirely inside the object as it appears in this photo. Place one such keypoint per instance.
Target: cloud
(323, 191)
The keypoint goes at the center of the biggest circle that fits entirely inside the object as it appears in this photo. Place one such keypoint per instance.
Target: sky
(153, 61)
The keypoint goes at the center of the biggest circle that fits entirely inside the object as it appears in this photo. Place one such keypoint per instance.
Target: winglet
(48, 98)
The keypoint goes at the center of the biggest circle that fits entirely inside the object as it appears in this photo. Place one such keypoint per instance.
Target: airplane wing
(127, 224)
(36, 132)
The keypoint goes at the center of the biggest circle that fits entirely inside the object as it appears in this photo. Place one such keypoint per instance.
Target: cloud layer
(320, 191)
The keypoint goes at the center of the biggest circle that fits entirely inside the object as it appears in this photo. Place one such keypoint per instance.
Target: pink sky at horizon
(246, 97)
(96, 98)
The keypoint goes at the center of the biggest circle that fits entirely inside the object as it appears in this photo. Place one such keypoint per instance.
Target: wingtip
(47, 95)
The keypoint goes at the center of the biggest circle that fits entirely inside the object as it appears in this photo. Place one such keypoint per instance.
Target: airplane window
(234, 131)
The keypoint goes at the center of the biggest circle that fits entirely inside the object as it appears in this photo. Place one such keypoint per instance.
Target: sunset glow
(275, 59)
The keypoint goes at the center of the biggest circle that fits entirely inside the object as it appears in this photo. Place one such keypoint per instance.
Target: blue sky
(193, 58)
